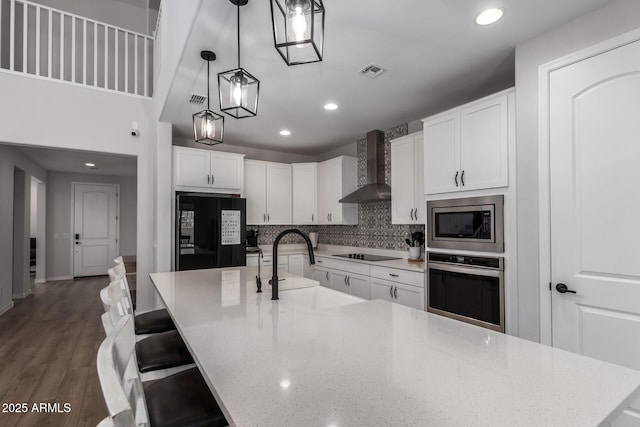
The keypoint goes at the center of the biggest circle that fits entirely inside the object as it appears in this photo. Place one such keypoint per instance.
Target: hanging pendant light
(208, 127)
(298, 30)
(238, 88)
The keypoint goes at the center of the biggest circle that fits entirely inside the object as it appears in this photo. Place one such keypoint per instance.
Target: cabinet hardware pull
(311, 217)
(393, 275)
(327, 217)
(319, 261)
(462, 178)
(456, 178)
(345, 280)
(212, 177)
(395, 292)
(268, 218)
(207, 179)
(348, 281)
(331, 217)
(391, 291)
(264, 217)
(327, 274)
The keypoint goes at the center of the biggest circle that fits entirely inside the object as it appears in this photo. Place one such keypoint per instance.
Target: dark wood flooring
(48, 347)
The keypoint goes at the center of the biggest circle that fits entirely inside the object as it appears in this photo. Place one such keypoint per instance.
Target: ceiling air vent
(197, 99)
(372, 71)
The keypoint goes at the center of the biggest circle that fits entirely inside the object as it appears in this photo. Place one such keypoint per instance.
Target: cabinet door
(339, 281)
(321, 276)
(410, 296)
(418, 181)
(324, 196)
(484, 145)
(226, 171)
(381, 289)
(304, 193)
(442, 154)
(358, 286)
(192, 167)
(296, 265)
(403, 179)
(278, 194)
(255, 191)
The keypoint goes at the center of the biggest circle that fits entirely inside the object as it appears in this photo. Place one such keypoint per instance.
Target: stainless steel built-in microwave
(474, 224)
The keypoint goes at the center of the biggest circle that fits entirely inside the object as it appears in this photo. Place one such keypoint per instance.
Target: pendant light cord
(208, 107)
(238, 34)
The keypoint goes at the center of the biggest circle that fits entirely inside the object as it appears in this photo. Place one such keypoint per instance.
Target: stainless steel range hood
(375, 189)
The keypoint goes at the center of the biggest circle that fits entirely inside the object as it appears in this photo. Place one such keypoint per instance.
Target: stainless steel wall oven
(473, 224)
(467, 288)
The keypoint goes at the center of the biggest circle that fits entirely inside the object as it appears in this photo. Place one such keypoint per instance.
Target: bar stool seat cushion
(162, 351)
(153, 322)
(182, 399)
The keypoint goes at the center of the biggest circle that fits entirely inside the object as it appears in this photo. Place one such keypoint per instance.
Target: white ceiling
(436, 57)
(72, 161)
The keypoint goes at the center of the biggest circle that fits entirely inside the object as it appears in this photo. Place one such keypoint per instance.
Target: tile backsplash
(374, 229)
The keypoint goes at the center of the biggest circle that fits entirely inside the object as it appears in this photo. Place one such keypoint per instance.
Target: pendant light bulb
(239, 87)
(297, 14)
(210, 127)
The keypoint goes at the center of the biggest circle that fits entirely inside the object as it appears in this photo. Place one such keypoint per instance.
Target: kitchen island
(318, 357)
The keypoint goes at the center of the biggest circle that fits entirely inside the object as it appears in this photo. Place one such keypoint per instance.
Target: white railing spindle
(12, 36)
(106, 57)
(25, 18)
(73, 49)
(117, 75)
(84, 51)
(135, 64)
(146, 67)
(50, 46)
(37, 73)
(126, 62)
(95, 54)
(61, 46)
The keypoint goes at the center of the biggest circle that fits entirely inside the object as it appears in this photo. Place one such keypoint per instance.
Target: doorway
(37, 243)
(95, 228)
(20, 277)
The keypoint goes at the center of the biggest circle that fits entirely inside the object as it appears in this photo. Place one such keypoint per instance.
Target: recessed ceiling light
(489, 16)
(285, 132)
(90, 165)
(331, 106)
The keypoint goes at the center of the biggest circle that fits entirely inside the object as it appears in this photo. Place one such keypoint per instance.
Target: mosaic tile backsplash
(374, 229)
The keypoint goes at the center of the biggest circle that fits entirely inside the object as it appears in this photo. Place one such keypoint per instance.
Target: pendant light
(298, 30)
(208, 127)
(238, 88)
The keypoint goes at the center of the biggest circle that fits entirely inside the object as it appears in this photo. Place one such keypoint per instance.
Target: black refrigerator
(210, 231)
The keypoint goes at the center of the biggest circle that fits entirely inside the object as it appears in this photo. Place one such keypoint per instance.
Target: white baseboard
(22, 295)
(40, 281)
(6, 308)
(54, 279)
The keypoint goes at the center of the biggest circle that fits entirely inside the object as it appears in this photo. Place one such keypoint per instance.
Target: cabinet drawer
(396, 275)
(268, 259)
(349, 267)
(410, 296)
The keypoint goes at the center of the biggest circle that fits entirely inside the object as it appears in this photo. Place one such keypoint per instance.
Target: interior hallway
(48, 347)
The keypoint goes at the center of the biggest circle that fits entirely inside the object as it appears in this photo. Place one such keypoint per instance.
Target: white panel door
(324, 192)
(442, 154)
(358, 286)
(95, 228)
(418, 179)
(594, 175)
(255, 191)
(192, 167)
(402, 181)
(304, 196)
(278, 194)
(484, 144)
(330, 189)
(321, 276)
(225, 171)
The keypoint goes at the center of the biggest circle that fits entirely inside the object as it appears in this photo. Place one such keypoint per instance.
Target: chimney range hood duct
(375, 189)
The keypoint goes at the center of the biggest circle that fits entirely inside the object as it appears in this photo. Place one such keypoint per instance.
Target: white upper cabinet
(304, 193)
(337, 178)
(268, 192)
(467, 148)
(207, 171)
(407, 193)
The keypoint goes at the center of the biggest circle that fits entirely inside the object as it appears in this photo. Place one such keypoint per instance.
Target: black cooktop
(367, 257)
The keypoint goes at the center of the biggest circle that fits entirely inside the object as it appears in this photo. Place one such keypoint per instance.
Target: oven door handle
(475, 271)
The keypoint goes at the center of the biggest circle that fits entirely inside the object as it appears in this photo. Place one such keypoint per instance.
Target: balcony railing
(48, 43)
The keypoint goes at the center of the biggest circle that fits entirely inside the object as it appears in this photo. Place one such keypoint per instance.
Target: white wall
(251, 153)
(616, 18)
(33, 220)
(59, 231)
(86, 119)
(10, 158)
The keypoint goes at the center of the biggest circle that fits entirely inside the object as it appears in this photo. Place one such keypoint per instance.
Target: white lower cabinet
(322, 276)
(371, 282)
(299, 265)
(267, 261)
(411, 296)
(352, 284)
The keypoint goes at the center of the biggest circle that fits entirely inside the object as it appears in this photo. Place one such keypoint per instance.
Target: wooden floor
(48, 347)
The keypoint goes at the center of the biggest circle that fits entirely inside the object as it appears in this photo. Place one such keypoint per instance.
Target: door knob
(562, 288)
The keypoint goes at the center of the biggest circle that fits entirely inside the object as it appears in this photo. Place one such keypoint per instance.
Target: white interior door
(95, 228)
(594, 152)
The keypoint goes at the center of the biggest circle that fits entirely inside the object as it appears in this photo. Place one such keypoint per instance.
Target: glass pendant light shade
(238, 93)
(298, 30)
(208, 127)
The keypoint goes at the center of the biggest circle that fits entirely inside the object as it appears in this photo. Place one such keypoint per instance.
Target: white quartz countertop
(402, 263)
(318, 357)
